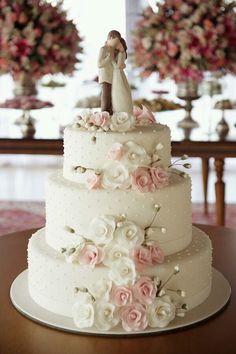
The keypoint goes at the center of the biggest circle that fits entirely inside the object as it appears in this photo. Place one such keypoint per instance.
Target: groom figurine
(105, 58)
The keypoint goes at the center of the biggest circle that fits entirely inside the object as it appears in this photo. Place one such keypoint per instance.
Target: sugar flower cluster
(123, 295)
(137, 305)
(119, 122)
(128, 166)
(117, 243)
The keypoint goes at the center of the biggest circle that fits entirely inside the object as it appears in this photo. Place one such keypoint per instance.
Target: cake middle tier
(71, 210)
(90, 151)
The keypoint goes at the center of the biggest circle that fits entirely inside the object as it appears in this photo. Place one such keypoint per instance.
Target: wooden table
(19, 335)
(193, 142)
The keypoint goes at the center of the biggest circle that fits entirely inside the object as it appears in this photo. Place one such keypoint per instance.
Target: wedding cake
(119, 246)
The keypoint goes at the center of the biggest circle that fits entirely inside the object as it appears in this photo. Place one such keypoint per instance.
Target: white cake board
(22, 301)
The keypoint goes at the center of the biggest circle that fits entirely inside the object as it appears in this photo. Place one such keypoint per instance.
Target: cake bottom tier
(52, 281)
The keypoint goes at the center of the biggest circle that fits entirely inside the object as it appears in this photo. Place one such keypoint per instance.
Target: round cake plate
(23, 302)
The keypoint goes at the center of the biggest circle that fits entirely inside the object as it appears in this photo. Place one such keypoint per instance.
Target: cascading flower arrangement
(185, 38)
(37, 39)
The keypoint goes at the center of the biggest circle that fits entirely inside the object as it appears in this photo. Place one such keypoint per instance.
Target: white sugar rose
(135, 155)
(122, 122)
(86, 115)
(101, 289)
(106, 315)
(115, 175)
(161, 312)
(129, 235)
(83, 311)
(101, 229)
(113, 253)
(123, 272)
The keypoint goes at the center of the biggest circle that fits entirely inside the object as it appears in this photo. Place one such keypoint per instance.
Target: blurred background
(181, 65)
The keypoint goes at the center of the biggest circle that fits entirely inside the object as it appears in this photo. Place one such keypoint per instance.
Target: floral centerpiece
(185, 38)
(37, 39)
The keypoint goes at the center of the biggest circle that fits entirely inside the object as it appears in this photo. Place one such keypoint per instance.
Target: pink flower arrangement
(148, 179)
(185, 38)
(122, 296)
(134, 317)
(145, 290)
(37, 39)
(25, 103)
(91, 255)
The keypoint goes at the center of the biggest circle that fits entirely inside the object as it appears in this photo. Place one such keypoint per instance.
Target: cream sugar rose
(118, 247)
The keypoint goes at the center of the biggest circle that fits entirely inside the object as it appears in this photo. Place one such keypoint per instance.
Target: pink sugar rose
(145, 290)
(143, 115)
(142, 180)
(134, 317)
(141, 256)
(157, 254)
(116, 151)
(137, 111)
(91, 255)
(100, 118)
(94, 181)
(122, 296)
(160, 177)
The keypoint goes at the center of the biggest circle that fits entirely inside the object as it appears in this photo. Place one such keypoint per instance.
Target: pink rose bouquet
(36, 38)
(185, 38)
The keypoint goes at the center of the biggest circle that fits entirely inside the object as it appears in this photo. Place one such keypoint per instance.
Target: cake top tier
(113, 154)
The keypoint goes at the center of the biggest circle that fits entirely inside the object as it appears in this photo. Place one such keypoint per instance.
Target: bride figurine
(117, 93)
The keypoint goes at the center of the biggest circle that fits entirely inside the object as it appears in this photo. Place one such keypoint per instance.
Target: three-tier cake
(118, 245)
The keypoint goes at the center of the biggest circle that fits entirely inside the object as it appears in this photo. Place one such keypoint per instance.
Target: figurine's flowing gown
(120, 93)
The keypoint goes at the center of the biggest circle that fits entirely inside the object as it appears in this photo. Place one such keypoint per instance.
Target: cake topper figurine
(116, 93)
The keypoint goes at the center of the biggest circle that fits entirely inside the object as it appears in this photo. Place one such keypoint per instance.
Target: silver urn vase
(188, 91)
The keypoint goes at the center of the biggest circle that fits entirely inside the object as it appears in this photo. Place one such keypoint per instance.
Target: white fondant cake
(118, 246)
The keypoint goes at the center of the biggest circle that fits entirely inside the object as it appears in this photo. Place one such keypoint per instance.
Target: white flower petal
(101, 289)
(113, 253)
(115, 175)
(161, 312)
(101, 229)
(106, 315)
(123, 272)
(135, 156)
(122, 122)
(83, 311)
(129, 235)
